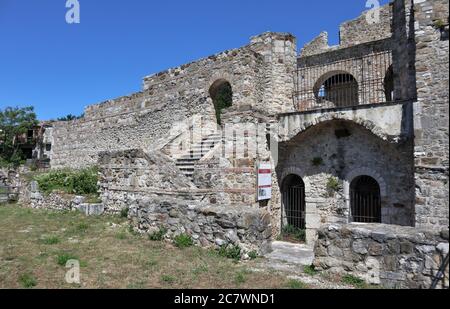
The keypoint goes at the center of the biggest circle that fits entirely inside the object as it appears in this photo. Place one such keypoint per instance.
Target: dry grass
(33, 244)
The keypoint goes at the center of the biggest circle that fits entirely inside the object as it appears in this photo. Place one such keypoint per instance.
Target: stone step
(297, 254)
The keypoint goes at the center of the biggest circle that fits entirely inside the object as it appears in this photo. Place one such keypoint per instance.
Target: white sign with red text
(264, 181)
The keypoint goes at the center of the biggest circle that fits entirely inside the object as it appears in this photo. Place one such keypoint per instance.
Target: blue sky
(60, 68)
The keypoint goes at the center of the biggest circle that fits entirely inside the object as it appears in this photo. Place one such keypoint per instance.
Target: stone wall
(367, 28)
(393, 256)
(354, 32)
(346, 151)
(261, 75)
(210, 226)
(431, 115)
(127, 176)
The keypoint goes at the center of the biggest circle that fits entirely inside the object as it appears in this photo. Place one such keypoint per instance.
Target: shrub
(183, 241)
(27, 281)
(333, 185)
(317, 161)
(124, 213)
(253, 255)
(70, 181)
(158, 236)
(354, 281)
(294, 232)
(310, 270)
(230, 252)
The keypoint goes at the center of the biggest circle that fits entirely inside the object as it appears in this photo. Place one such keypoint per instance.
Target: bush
(333, 185)
(354, 281)
(253, 255)
(310, 270)
(124, 213)
(317, 161)
(230, 252)
(183, 241)
(70, 181)
(27, 281)
(294, 232)
(158, 236)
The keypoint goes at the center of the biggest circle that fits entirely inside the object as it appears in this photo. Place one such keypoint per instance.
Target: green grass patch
(296, 285)
(168, 279)
(230, 252)
(354, 281)
(158, 236)
(63, 258)
(51, 240)
(183, 241)
(310, 270)
(240, 278)
(27, 281)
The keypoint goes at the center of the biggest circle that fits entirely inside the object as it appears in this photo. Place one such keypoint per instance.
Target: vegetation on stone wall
(14, 121)
(223, 98)
(79, 182)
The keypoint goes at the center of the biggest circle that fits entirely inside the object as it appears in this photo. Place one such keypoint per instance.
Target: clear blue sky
(61, 68)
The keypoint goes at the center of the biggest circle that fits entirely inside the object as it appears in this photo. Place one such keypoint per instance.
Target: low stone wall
(209, 226)
(387, 255)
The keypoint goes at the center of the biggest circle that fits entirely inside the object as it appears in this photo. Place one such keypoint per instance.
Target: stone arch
(354, 174)
(312, 221)
(338, 87)
(320, 120)
(221, 94)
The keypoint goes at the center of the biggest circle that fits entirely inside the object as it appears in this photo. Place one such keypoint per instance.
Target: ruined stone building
(356, 132)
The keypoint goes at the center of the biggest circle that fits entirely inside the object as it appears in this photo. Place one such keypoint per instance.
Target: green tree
(14, 121)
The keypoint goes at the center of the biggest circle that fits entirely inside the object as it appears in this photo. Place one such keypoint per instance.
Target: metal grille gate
(293, 214)
(365, 200)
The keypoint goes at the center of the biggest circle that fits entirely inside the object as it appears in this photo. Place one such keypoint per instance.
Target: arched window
(389, 85)
(221, 94)
(365, 200)
(339, 88)
(294, 206)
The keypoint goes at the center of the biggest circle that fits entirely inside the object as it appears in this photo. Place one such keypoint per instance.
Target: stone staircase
(186, 163)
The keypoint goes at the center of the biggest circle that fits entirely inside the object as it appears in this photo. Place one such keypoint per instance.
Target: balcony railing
(349, 82)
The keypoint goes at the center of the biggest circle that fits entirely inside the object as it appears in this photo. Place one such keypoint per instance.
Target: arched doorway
(365, 198)
(293, 218)
(221, 94)
(339, 88)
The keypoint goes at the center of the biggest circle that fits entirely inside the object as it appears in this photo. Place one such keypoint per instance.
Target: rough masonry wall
(357, 153)
(432, 115)
(354, 32)
(393, 256)
(128, 176)
(366, 28)
(143, 120)
(261, 75)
